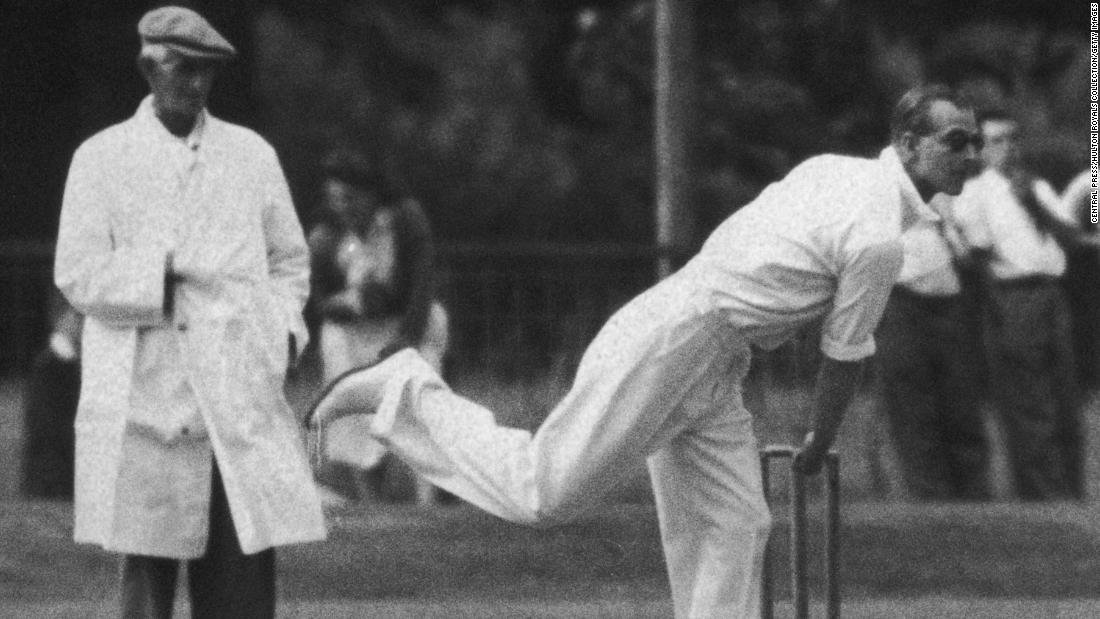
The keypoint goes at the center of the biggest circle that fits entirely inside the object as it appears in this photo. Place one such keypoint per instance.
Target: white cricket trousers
(660, 384)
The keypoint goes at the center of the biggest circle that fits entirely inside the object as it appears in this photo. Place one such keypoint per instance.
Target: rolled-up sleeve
(865, 278)
(120, 285)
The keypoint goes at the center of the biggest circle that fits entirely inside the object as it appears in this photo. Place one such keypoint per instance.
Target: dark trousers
(223, 584)
(1033, 380)
(929, 377)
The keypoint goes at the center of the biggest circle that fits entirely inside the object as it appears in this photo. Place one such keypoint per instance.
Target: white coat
(164, 395)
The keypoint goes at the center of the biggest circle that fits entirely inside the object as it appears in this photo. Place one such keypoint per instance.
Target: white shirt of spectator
(993, 218)
(825, 242)
(1076, 201)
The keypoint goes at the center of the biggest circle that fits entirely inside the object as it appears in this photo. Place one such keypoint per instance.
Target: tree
(529, 119)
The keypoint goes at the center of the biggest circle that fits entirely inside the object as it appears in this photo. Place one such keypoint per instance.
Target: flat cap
(184, 31)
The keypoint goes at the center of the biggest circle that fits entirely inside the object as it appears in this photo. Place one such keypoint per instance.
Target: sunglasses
(957, 140)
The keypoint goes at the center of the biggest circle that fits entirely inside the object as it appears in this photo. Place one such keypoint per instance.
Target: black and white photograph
(549, 309)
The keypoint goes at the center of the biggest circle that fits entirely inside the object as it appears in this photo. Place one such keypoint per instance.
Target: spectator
(1010, 218)
(49, 403)
(348, 198)
(179, 243)
(374, 267)
(928, 359)
(1077, 200)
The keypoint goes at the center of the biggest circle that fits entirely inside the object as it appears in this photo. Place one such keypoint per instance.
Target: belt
(902, 291)
(1028, 281)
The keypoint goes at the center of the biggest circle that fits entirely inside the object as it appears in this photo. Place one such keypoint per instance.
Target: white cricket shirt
(824, 242)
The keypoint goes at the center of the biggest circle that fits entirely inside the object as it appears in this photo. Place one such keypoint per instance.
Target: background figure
(1009, 217)
(347, 198)
(373, 287)
(49, 404)
(1082, 281)
(180, 245)
(928, 361)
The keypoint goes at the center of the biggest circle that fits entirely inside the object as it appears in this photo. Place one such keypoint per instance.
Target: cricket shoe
(359, 391)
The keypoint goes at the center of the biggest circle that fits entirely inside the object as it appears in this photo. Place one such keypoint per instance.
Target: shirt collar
(914, 207)
(148, 119)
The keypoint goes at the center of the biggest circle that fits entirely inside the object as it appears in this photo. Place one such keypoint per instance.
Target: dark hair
(911, 112)
(358, 171)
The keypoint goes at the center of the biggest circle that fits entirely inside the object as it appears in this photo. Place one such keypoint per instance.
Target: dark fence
(514, 309)
(524, 309)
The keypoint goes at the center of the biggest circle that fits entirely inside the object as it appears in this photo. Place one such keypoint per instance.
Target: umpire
(179, 243)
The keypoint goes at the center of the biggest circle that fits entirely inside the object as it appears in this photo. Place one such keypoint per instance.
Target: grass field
(398, 560)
